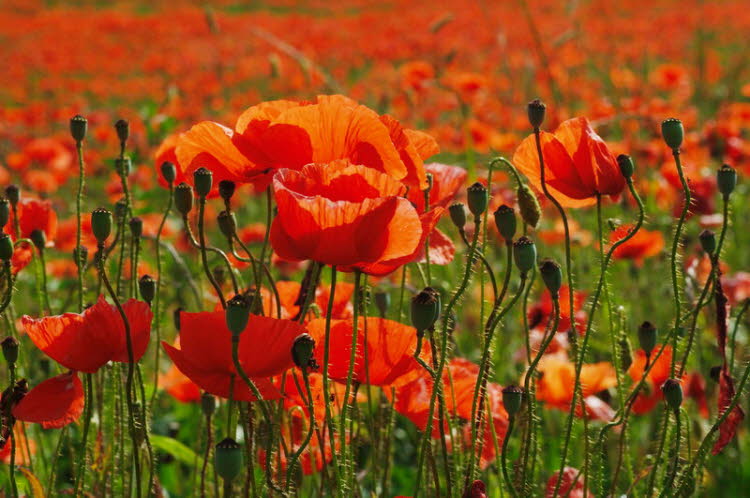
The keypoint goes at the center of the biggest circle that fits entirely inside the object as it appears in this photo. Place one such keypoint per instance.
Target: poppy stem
(79, 200)
(311, 429)
(12, 465)
(263, 266)
(207, 454)
(326, 388)
(350, 371)
(204, 258)
(678, 436)
(88, 405)
(662, 441)
(504, 457)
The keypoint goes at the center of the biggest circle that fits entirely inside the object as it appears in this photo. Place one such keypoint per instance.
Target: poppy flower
(54, 403)
(644, 244)
(569, 485)
(578, 164)
(23, 457)
(85, 342)
(177, 385)
(35, 214)
(205, 353)
(312, 458)
(650, 394)
(540, 313)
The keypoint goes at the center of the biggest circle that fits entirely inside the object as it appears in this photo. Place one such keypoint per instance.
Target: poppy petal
(54, 403)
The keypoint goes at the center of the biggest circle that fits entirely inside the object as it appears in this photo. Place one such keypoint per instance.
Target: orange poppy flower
(54, 403)
(205, 353)
(651, 393)
(86, 341)
(22, 455)
(644, 244)
(578, 164)
(389, 349)
(35, 214)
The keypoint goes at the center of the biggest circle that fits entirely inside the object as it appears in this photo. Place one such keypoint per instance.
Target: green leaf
(175, 448)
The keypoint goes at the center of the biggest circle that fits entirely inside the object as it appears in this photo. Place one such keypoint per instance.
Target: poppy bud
(627, 167)
(121, 209)
(425, 309)
(13, 193)
(226, 189)
(101, 224)
(203, 180)
(512, 397)
(10, 349)
(136, 227)
(147, 287)
(176, 318)
(123, 166)
(536, 110)
(708, 241)
(478, 198)
(84, 257)
(228, 459)
(524, 253)
(39, 239)
(78, 125)
(715, 373)
(726, 179)
(208, 404)
(672, 391)
(505, 221)
(647, 337)
(168, 171)
(4, 211)
(552, 276)
(529, 206)
(237, 314)
(227, 224)
(672, 132)
(6, 247)
(458, 215)
(183, 198)
(382, 302)
(302, 351)
(123, 130)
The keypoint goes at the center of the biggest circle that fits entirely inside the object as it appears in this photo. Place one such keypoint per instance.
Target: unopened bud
(512, 398)
(524, 253)
(78, 126)
(672, 132)
(536, 111)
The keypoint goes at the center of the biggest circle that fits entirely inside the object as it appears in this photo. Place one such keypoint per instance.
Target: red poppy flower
(35, 214)
(177, 385)
(569, 486)
(651, 393)
(446, 180)
(644, 244)
(54, 403)
(23, 457)
(86, 341)
(540, 313)
(578, 164)
(205, 354)
(312, 457)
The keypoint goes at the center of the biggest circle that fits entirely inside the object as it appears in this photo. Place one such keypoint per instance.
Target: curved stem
(670, 481)
(311, 429)
(326, 389)
(659, 452)
(350, 371)
(157, 299)
(504, 458)
(204, 259)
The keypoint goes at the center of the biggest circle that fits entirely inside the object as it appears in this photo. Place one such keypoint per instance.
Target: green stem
(504, 457)
(204, 258)
(79, 201)
(670, 481)
(157, 299)
(326, 390)
(350, 371)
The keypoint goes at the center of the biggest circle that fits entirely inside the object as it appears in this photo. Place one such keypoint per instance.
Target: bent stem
(157, 298)
(504, 457)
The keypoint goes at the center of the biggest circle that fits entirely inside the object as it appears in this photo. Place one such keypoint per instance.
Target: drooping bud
(226, 189)
(647, 337)
(708, 241)
(147, 288)
(425, 309)
(458, 214)
(4, 211)
(627, 167)
(505, 221)
(726, 179)
(536, 110)
(203, 179)
(302, 351)
(10, 349)
(208, 404)
(478, 198)
(78, 126)
(183, 198)
(123, 130)
(237, 314)
(524, 253)
(13, 193)
(552, 276)
(529, 206)
(123, 166)
(136, 227)
(227, 224)
(168, 171)
(512, 398)
(672, 391)
(228, 459)
(6, 247)
(382, 302)
(672, 132)
(101, 224)
(39, 238)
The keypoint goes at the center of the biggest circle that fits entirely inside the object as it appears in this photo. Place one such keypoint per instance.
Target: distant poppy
(578, 164)
(54, 403)
(571, 484)
(644, 244)
(651, 394)
(35, 214)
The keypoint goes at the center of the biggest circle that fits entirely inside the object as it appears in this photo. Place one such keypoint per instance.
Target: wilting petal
(54, 403)
(728, 428)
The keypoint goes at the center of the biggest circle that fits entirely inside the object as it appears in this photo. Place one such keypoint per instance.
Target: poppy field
(374, 249)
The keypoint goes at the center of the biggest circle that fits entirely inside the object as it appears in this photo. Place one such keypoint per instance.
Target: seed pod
(208, 404)
(458, 215)
(529, 206)
(39, 238)
(524, 253)
(425, 309)
(101, 224)
(168, 171)
(505, 221)
(726, 179)
(228, 459)
(13, 193)
(478, 198)
(147, 288)
(4, 211)
(302, 351)
(136, 227)
(183, 198)
(708, 241)
(672, 391)
(123, 130)
(226, 189)
(203, 180)
(536, 111)
(227, 224)
(237, 314)
(647, 337)
(10, 349)
(552, 276)
(512, 398)
(672, 132)
(78, 126)
(627, 167)
(6, 247)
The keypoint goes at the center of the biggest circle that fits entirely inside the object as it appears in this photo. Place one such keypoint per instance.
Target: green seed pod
(10, 349)
(524, 253)
(6, 247)
(512, 398)
(529, 206)
(536, 110)
(237, 314)
(505, 221)
(552, 276)
(708, 241)
(425, 309)
(183, 198)
(13, 193)
(123, 166)
(227, 224)
(226, 189)
(672, 132)
(78, 126)
(478, 198)
(382, 302)
(458, 215)
(208, 404)
(672, 391)
(123, 130)
(101, 224)
(302, 351)
(203, 179)
(627, 167)
(147, 288)
(168, 171)
(39, 238)
(136, 227)
(228, 459)
(121, 209)
(647, 337)
(4, 211)
(726, 179)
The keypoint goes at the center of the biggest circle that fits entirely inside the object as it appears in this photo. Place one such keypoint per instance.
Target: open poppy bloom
(644, 244)
(347, 215)
(571, 484)
(177, 385)
(54, 403)
(205, 353)
(35, 214)
(289, 293)
(578, 164)
(651, 393)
